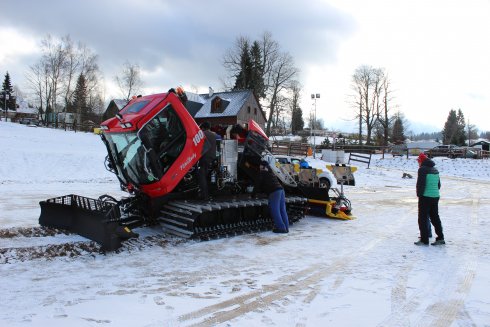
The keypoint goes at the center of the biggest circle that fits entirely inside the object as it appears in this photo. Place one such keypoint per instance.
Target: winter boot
(438, 242)
(420, 242)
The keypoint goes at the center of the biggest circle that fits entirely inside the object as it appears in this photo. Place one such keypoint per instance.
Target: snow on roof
(480, 142)
(422, 144)
(194, 97)
(24, 107)
(236, 101)
(120, 103)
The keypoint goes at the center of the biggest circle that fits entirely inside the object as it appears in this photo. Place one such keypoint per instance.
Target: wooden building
(226, 108)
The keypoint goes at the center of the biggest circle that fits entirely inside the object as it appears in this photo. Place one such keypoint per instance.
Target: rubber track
(185, 218)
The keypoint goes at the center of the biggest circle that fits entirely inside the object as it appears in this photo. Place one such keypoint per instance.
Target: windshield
(165, 135)
(145, 156)
(130, 156)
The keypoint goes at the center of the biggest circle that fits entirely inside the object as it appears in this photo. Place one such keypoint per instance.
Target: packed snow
(325, 272)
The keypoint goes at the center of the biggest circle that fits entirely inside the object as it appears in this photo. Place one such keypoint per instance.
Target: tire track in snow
(445, 312)
(305, 279)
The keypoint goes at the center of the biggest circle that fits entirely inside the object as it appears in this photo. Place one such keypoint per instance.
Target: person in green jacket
(428, 185)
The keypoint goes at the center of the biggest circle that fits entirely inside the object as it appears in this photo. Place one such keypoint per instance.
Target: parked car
(451, 151)
(469, 153)
(326, 177)
(399, 150)
(29, 121)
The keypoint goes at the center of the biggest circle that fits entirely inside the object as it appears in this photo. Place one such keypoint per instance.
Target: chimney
(211, 91)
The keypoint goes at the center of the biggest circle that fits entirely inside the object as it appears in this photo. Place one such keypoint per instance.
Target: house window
(248, 109)
(255, 111)
(216, 105)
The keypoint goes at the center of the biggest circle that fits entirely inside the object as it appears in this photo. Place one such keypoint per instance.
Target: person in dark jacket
(206, 161)
(428, 185)
(268, 183)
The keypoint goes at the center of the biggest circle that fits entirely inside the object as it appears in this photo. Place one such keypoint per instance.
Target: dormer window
(218, 105)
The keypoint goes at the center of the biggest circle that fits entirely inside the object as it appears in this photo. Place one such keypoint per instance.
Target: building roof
(422, 144)
(120, 103)
(235, 99)
(481, 142)
(25, 108)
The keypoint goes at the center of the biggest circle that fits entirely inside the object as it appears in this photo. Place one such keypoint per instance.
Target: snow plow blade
(91, 218)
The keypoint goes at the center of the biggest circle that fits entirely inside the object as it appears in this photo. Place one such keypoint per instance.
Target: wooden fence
(290, 148)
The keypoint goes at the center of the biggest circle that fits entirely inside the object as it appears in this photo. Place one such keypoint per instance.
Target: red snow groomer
(154, 146)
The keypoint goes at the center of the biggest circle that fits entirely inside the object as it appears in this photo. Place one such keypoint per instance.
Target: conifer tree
(244, 77)
(454, 128)
(257, 79)
(80, 98)
(398, 133)
(7, 89)
(251, 74)
(297, 122)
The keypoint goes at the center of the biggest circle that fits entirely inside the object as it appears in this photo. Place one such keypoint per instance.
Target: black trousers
(429, 208)
(204, 166)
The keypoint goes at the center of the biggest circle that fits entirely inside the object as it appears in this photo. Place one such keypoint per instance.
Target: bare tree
(54, 57)
(384, 118)
(362, 83)
(281, 110)
(282, 74)
(53, 77)
(36, 77)
(81, 60)
(372, 100)
(129, 80)
(279, 73)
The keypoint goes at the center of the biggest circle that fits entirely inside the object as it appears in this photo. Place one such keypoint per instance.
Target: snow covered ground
(363, 272)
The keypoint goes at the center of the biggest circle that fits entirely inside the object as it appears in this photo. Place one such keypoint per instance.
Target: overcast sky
(436, 52)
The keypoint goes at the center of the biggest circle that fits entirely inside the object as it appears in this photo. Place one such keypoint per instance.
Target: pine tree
(297, 122)
(257, 79)
(244, 77)
(398, 134)
(454, 128)
(80, 98)
(460, 138)
(251, 75)
(449, 127)
(7, 89)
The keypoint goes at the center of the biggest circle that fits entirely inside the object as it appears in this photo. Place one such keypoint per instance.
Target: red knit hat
(421, 157)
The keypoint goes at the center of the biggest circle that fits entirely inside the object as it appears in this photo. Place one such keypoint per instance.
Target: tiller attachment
(95, 219)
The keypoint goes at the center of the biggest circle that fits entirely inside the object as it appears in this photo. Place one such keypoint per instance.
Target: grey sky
(183, 40)
(435, 52)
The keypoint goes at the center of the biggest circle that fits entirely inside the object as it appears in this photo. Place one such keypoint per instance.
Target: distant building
(226, 108)
(416, 147)
(24, 110)
(113, 108)
(484, 145)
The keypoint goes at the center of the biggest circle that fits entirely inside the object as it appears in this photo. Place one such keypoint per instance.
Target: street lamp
(314, 97)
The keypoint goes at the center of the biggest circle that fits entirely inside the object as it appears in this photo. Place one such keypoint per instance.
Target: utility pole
(314, 97)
